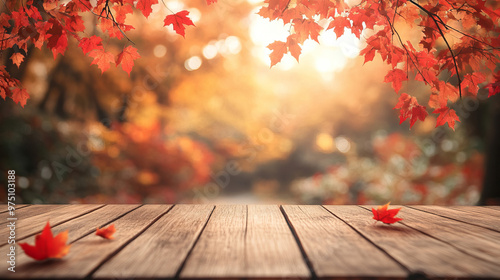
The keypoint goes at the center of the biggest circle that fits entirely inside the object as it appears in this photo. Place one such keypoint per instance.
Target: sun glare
(328, 57)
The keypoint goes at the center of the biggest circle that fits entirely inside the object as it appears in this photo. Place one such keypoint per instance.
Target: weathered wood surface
(259, 241)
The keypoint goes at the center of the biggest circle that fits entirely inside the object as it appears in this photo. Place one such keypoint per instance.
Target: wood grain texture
(490, 222)
(335, 249)
(493, 207)
(30, 211)
(17, 207)
(88, 253)
(160, 250)
(32, 225)
(418, 252)
(245, 241)
(479, 242)
(268, 236)
(220, 251)
(477, 210)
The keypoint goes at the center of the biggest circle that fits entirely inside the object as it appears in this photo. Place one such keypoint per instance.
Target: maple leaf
(106, 232)
(126, 58)
(57, 41)
(410, 109)
(20, 95)
(339, 24)
(446, 115)
(494, 88)
(211, 1)
(178, 20)
(396, 77)
(102, 59)
(89, 44)
(17, 58)
(145, 6)
(46, 246)
(278, 49)
(384, 215)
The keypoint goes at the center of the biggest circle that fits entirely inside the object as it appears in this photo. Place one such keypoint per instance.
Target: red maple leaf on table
(384, 215)
(46, 246)
(106, 232)
(178, 20)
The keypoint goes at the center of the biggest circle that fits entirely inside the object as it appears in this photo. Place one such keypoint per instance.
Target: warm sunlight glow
(325, 142)
(210, 51)
(192, 63)
(159, 51)
(342, 144)
(327, 58)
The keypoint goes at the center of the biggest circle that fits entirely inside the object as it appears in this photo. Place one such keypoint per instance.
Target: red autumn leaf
(396, 77)
(106, 232)
(17, 58)
(339, 24)
(306, 28)
(20, 95)
(293, 47)
(410, 109)
(126, 58)
(91, 43)
(446, 115)
(494, 88)
(384, 215)
(46, 246)
(102, 59)
(57, 39)
(178, 21)
(145, 6)
(278, 49)
(211, 1)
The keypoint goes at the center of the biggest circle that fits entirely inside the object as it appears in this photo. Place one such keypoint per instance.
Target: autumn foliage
(456, 49)
(453, 49)
(106, 232)
(47, 246)
(385, 215)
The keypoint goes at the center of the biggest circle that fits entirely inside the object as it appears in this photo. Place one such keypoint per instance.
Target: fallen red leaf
(106, 232)
(384, 215)
(46, 246)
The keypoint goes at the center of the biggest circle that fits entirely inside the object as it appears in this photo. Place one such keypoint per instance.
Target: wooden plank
(477, 210)
(88, 253)
(479, 242)
(487, 222)
(34, 224)
(236, 246)
(418, 252)
(335, 249)
(220, 251)
(161, 249)
(17, 206)
(493, 207)
(271, 249)
(30, 211)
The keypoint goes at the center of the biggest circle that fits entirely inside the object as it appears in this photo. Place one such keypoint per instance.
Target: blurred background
(205, 120)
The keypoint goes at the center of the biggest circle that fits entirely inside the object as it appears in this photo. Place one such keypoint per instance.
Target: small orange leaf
(17, 59)
(384, 215)
(46, 246)
(106, 232)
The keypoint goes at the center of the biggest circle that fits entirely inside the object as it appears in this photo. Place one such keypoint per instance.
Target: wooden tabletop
(259, 241)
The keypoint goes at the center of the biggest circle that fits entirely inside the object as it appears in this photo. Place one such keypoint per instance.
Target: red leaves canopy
(450, 68)
(466, 63)
(46, 246)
